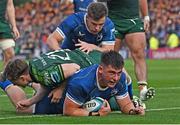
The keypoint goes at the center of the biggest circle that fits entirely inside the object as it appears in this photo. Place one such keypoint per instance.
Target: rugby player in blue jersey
(87, 31)
(104, 80)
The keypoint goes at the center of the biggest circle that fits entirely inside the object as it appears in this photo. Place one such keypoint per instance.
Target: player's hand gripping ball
(94, 105)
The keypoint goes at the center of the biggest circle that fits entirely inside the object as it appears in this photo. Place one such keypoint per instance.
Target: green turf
(164, 75)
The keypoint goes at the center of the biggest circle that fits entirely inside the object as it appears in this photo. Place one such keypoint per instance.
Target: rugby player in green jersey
(49, 69)
(6, 37)
(129, 26)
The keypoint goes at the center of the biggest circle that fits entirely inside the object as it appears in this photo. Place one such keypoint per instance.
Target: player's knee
(8, 54)
(137, 55)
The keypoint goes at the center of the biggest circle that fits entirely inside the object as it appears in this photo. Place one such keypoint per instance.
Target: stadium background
(38, 18)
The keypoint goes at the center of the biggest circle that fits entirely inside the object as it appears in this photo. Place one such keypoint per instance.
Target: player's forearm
(11, 13)
(28, 110)
(52, 43)
(129, 109)
(16, 94)
(41, 92)
(34, 85)
(144, 7)
(76, 112)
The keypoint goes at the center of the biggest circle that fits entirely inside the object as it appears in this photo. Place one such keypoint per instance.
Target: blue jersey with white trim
(83, 86)
(81, 5)
(74, 27)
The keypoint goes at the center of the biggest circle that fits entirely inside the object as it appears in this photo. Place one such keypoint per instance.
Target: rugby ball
(94, 105)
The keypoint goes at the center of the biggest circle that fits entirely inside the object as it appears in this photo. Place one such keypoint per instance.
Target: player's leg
(117, 45)
(45, 106)
(137, 43)
(7, 46)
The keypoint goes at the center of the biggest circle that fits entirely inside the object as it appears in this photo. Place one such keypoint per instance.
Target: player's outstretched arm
(127, 107)
(15, 95)
(23, 104)
(73, 109)
(54, 41)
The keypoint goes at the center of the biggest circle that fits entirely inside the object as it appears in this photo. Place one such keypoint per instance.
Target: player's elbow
(52, 43)
(49, 40)
(23, 111)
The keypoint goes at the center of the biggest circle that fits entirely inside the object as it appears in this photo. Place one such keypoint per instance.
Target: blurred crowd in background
(165, 23)
(38, 18)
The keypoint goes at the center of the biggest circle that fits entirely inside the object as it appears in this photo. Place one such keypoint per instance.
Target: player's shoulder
(85, 74)
(123, 77)
(122, 80)
(79, 17)
(108, 23)
(74, 19)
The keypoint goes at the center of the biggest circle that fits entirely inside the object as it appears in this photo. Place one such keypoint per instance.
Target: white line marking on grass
(164, 109)
(40, 116)
(160, 109)
(169, 88)
(29, 116)
(6, 95)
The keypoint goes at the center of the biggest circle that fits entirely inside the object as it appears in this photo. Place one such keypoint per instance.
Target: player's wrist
(30, 84)
(146, 18)
(5, 84)
(94, 114)
(132, 112)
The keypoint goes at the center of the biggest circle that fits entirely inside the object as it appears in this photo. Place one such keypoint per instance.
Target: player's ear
(100, 69)
(22, 77)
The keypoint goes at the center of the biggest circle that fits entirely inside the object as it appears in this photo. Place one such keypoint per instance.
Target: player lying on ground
(64, 56)
(99, 80)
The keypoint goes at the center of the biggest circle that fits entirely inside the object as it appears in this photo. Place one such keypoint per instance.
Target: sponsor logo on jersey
(114, 92)
(99, 37)
(81, 34)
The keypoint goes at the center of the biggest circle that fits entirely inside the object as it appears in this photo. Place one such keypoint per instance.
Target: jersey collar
(85, 21)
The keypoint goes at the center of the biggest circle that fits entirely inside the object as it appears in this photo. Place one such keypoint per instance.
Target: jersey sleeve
(109, 37)
(122, 87)
(75, 93)
(67, 25)
(4, 85)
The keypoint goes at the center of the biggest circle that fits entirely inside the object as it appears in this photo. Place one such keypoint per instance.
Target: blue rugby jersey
(74, 27)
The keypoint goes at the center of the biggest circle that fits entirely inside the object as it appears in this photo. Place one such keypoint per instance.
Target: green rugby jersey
(123, 9)
(47, 71)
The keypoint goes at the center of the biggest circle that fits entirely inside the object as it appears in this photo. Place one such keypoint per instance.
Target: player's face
(110, 76)
(95, 26)
(22, 81)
